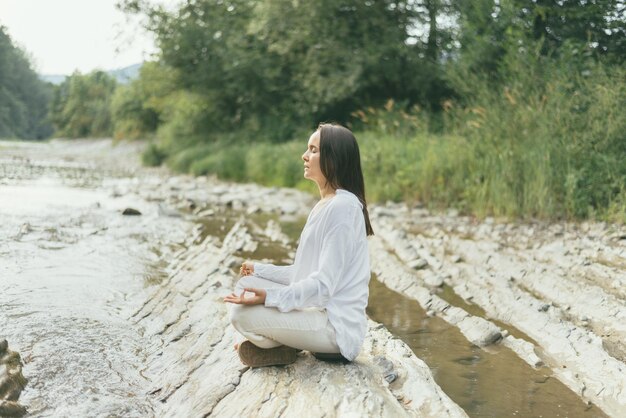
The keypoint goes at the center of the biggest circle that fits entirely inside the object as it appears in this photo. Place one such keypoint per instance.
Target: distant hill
(126, 74)
(52, 78)
(122, 75)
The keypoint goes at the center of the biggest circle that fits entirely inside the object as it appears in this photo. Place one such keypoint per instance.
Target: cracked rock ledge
(572, 317)
(199, 373)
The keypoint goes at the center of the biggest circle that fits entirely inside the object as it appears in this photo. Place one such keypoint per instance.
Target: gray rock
(456, 258)
(131, 212)
(197, 372)
(479, 331)
(433, 280)
(387, 367)
(206, 213)
(418, 264)
(12, 382)
(289, 208)
(190, 204)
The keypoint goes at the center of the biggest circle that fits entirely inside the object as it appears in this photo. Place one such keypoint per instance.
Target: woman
(318, 303)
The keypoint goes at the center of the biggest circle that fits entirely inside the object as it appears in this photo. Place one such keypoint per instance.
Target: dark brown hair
(340, 162)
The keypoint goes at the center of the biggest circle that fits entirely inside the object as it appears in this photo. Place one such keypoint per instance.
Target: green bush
(153, 156)
(81, 105)
(550, 142)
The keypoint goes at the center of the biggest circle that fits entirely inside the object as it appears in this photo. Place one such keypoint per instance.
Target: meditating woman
(318, 303)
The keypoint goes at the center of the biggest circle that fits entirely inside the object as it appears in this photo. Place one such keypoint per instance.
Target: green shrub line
(437, 170)
(548, 144)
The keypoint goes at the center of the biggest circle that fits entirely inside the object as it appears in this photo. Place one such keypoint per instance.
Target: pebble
(434, 281)
(387, 366)
(206, 213)
(418, 264)
(131, 212)
(456, 258)
(253, 209)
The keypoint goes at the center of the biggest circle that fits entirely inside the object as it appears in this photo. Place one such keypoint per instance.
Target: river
(74, 272)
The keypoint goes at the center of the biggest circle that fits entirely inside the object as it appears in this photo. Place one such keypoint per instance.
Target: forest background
(510, 108)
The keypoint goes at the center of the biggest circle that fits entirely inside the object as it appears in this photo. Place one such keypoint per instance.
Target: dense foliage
(503, 107)
(23, 97)
(275, 67)
(81, 105)
(510, 107)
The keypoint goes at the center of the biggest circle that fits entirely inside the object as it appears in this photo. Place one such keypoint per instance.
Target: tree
(596, 25)
(23, 97)
(138, 108)
(81, 105)
(279, 65)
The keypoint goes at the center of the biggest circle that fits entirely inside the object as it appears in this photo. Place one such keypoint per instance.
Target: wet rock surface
(559, 288)
(553, 294)
(179, 322)
(12, 382)
(199, 373)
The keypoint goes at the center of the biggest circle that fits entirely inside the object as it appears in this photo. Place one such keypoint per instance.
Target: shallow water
(486, 383)
(72, 271)
(492, 382)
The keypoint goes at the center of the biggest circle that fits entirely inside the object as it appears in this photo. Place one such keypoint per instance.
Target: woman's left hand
(257, 299)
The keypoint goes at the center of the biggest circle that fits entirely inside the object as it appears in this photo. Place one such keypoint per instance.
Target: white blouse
(331, 270)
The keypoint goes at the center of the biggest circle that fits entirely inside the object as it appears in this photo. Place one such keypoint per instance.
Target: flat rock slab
(198, 373)
(570, 310)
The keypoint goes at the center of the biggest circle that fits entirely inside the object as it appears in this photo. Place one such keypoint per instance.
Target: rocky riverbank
(12, 382)
(196, 372)
(552, 294)
(191, 368)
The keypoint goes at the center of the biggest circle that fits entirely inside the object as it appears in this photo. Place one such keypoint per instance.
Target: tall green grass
(549, 143)
(261, 162)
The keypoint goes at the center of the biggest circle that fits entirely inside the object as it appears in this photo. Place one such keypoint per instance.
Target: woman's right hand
(247, 268)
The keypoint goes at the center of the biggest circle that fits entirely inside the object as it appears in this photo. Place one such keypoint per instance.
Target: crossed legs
(307, 329)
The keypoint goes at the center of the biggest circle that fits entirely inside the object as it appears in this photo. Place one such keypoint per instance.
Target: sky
(62, 36)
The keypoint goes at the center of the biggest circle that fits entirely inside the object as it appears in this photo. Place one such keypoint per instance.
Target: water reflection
(72, 271)
(494, 383)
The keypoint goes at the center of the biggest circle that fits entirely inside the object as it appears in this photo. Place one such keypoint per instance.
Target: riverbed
(82, 283)
(72, 270)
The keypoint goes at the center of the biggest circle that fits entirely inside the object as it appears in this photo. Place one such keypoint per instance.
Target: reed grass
(552, 149)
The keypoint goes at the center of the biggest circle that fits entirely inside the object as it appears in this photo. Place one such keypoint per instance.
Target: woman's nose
(305, 156)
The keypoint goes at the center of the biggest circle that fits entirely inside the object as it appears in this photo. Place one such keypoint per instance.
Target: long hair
(340, 162)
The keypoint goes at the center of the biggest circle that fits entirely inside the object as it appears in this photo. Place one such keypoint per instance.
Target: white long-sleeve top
(331, 270)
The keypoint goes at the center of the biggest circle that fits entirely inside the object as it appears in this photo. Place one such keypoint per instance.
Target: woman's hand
(247, 268)
(257, 299)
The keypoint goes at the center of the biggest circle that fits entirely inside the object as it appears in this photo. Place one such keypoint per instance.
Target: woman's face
(311, 158)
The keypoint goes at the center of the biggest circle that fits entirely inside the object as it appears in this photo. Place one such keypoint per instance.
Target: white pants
(307, 329)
